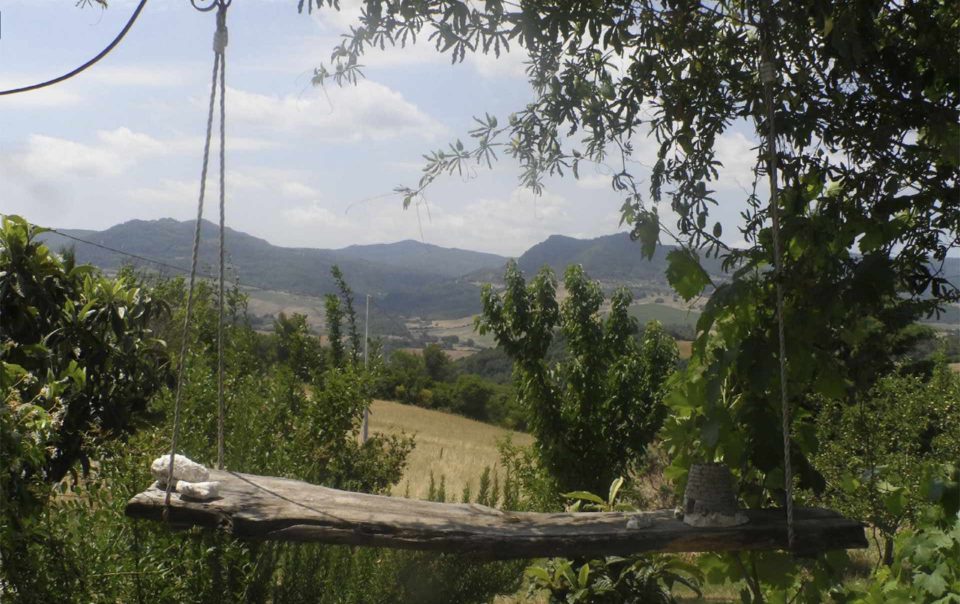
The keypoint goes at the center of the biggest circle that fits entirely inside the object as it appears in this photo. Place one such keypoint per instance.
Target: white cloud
(368, 111)
(506, 225)
(168, 192)
(315, 215)
(298, 190)
(735, 151)
(510, 64)
(154, 76)
(43, 98)
(116, 151)
(595, 182)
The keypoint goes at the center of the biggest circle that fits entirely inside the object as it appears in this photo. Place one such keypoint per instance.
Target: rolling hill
(404, 283)
(407, 278)
(609, 258)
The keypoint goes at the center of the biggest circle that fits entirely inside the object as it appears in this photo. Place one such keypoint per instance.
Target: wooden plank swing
(280, 509)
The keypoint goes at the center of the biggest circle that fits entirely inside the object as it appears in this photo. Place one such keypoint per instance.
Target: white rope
(768, 77)
(217, 77)
(220, 48)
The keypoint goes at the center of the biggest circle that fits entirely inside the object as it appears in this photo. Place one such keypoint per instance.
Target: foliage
(926, 563)
(297, 348)
(640, 578)
(608, 71)
(433, 381)
(78, 362)
(593, 413)
(862, 167)
(437, 363)
(346, 299)
(875, 455)
(25, 430)
(86, 340)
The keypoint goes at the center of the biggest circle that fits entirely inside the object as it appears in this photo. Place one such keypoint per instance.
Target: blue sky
(306, 166)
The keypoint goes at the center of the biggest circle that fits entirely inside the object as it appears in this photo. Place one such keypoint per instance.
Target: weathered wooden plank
(263, 507)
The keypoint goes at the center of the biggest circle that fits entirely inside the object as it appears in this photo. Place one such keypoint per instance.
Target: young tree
(297, 347)
(595, 412)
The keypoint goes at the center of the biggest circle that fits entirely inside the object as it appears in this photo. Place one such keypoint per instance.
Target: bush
(873, 455)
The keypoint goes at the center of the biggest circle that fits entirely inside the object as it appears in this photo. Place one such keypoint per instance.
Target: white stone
(715, 520)
(639, 521)
(199, 490)
(183, 469)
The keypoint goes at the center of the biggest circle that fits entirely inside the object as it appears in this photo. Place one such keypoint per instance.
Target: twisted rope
(768, 76)
(220, 47)
(216, 78)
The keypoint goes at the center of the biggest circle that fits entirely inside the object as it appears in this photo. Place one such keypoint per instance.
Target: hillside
(447, 445)
(406, 278)
(410, 254)
(609, 258)
(407, 282)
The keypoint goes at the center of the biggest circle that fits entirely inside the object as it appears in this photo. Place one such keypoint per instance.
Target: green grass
(667, 315)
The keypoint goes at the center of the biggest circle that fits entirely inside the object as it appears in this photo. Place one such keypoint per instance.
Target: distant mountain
(609, 258)
(306, 271)
(407, 278)
(410, 254)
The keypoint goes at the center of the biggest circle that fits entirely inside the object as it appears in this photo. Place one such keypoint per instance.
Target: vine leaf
(685, 274)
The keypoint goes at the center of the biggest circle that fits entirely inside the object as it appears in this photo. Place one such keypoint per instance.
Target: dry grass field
(447, 445)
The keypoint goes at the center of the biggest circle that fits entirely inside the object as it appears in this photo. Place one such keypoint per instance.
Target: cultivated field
(666, 314)
(447, 445)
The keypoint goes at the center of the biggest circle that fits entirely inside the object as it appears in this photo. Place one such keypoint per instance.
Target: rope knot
(768, 73)
(221, 37)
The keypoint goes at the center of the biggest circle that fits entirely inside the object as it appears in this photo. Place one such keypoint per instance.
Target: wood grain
(261, 507)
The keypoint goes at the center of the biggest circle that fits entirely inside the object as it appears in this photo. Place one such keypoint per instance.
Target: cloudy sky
(306, 166)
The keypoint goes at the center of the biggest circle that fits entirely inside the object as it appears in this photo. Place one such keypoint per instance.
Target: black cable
(88, 64)
(123, 253)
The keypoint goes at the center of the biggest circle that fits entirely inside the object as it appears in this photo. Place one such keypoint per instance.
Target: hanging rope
(768, 77)
(219, 47)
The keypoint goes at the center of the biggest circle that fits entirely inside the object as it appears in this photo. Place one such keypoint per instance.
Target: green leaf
(584, 575)
(614, 489)
(539, 573)
(585, 495)
(830, 382)
(895, 501)
(932, 583)
(647, 230)
(685, 274)
(710, 433)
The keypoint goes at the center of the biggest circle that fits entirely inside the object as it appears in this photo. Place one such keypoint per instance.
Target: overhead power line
(88, 64)
(123, 253)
